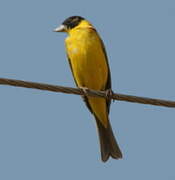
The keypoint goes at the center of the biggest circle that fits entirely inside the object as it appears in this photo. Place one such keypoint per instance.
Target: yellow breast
(87, 58)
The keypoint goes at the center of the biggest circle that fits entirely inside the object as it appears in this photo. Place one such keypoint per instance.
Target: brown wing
(108, 83)
(84, 97)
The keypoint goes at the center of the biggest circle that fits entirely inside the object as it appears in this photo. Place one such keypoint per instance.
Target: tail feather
(108, 143)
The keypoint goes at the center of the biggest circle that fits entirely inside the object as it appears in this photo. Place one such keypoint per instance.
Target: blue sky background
(45, 135)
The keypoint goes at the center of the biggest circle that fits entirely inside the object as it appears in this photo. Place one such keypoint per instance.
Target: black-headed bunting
(89, 64)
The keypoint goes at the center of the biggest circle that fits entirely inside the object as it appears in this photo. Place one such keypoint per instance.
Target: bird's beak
(61, 28)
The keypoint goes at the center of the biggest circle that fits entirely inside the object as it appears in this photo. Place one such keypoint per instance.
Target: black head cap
(72, 21)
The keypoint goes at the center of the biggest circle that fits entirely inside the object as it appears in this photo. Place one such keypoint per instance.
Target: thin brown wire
(69, 90)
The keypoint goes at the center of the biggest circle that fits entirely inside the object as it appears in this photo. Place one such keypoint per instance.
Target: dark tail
(108, 144)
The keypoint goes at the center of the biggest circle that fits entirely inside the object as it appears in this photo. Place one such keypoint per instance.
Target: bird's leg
(109, 94)
(85, 90)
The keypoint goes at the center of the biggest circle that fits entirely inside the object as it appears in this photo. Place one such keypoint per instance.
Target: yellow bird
(89, 64)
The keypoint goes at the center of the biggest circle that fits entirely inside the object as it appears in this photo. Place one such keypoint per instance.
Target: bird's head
(71, 23)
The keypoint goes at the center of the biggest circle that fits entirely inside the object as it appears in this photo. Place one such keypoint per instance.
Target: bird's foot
(85, 90)
(109, 94)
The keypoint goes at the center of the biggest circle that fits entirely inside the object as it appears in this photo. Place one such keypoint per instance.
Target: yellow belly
(89, 67)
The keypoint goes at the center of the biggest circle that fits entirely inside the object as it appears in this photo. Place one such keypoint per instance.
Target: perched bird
(89, 64)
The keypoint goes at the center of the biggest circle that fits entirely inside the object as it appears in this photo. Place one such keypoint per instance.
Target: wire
(89, 92)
